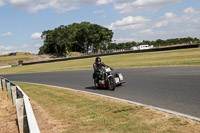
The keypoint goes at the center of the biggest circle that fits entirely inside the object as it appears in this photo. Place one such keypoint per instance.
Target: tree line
(80, 37)
(157, 43)
(84, 37)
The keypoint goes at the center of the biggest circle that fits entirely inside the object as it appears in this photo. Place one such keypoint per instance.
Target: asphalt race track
(172, 88)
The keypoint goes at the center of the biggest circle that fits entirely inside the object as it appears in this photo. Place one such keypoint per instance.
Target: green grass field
(150, 59)
(79, 112)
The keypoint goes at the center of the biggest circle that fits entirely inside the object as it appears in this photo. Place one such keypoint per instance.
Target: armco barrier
(25, 116)
(1, 67)
(116, 53)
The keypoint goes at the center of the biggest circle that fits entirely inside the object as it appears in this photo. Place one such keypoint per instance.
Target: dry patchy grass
(78, 112)
(13, 60)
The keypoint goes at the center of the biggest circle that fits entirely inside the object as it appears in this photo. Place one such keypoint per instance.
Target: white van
(142, 47)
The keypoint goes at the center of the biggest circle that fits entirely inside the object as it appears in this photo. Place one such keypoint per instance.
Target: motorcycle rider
(98, 66)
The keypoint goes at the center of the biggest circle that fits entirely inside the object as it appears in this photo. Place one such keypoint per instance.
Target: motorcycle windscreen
(120, 76)
(108, 70)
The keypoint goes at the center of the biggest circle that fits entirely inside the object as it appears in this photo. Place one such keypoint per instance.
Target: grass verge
(13, 60)
(79, 112)
(166, 58)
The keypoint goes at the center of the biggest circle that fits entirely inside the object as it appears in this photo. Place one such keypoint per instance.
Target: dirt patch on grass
(8, 115)
(46, 123)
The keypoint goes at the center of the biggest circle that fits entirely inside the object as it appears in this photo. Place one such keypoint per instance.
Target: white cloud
(169, 14)
(195, 20)
(120, 40)
(169, 34)
(98, 11)
(60, 9)
(6, 34)
(36, 35)
(129, 23)
(28, 5)
(25, 46)
(34, 51)
(37, 45)
(2, 3)
(168, 18)
(133, 6)
(189, 10)
(8, 47)
(103, 2)
(60, 6)
(191, 17)
(178, 33)
(161, 24)
(147, 31)
(103, 16)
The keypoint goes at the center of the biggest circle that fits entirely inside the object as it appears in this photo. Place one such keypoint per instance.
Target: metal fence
(25, 116)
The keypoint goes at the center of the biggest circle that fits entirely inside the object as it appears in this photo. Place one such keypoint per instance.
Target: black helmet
(98, 59)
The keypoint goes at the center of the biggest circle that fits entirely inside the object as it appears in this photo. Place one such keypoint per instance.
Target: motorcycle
(109, 79)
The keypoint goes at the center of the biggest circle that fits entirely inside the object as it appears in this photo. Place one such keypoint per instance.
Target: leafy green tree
(112, 46)
(75, 37)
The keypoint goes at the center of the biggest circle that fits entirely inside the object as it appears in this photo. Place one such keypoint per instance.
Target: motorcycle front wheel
(96, 84)
(111, 83)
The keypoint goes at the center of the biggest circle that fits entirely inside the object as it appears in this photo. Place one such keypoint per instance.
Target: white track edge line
(124, 100)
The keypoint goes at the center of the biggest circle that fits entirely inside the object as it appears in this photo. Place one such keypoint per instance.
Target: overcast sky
(23, 21)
